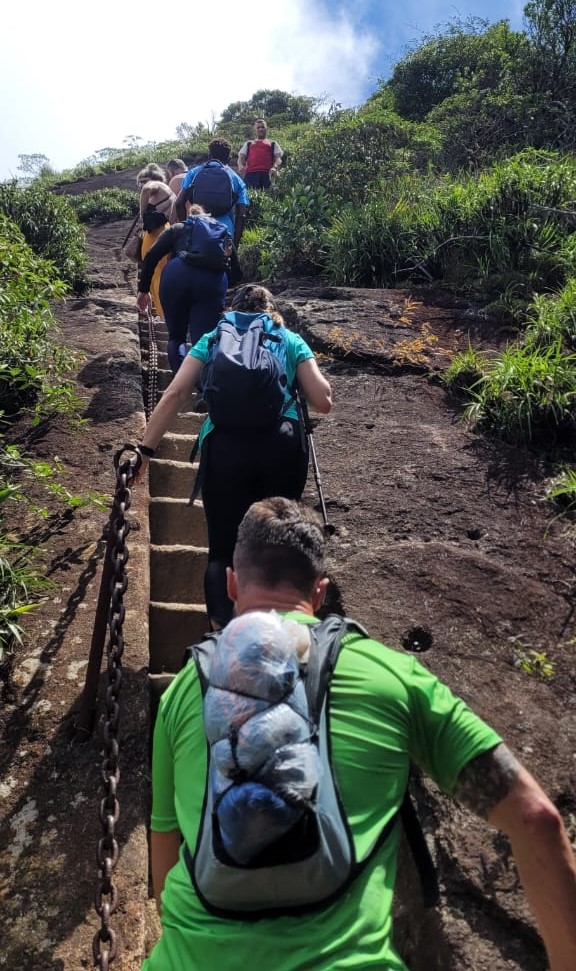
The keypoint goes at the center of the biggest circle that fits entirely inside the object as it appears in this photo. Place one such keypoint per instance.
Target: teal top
(385, 709)
(294, 350)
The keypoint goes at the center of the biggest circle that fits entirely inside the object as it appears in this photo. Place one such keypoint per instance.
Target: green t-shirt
(385, 709)
(297, 351)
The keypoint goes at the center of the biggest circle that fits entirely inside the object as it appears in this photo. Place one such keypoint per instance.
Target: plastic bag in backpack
(212, 188)
(273, 837)
(206, 244)
(244, 381)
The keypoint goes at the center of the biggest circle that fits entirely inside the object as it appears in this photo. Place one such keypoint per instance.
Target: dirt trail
(435, 527)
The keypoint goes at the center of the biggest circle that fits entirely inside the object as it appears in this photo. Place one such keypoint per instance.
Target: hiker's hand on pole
(144, 302)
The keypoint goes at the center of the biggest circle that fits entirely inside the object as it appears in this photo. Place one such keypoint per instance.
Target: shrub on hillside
(355, 153)
(514, 221)
(32, 365)
(294, 231)
(50, 227)
(105, 205)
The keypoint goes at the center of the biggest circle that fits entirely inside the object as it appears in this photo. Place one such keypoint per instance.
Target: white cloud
(69, 76)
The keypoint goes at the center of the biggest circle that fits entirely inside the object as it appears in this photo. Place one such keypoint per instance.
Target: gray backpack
(313, 862)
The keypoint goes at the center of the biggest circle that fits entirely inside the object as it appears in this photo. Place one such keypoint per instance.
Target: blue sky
(68, 75)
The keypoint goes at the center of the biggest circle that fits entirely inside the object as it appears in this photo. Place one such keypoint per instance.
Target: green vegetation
(21, 589)
(527, 395)
(33, 379)
(562, 492)
(464, 371)
(104, 205)
(50, 227)
(32, 366)
(536, 663)
(459, 171)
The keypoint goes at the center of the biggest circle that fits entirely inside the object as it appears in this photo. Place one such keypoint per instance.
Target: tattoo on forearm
(486, 780)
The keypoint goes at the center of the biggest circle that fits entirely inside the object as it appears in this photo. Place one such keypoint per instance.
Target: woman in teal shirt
(239, 468)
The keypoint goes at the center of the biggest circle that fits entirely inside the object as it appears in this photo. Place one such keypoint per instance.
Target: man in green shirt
(385, 709)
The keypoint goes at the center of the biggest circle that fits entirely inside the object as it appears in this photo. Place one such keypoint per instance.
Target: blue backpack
(206, 243)
(212, 188)
(244, 381)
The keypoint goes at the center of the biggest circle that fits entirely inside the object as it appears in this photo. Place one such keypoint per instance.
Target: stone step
(174, 522)
(172, 479)
(173, 628)
(163, 378)
(177, 574)
(175, 447)
(188, 423)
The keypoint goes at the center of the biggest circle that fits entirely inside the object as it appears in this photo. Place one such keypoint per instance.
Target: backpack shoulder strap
(324, 650)
(327, 639)
(202, 654)
(248, 147)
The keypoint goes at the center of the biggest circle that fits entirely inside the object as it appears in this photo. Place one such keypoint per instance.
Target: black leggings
(239, 469)
(193, 299)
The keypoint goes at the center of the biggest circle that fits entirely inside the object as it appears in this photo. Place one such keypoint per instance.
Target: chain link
(104, 944)
(152, 395)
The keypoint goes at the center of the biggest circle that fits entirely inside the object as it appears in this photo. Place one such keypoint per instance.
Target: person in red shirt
(259, 159)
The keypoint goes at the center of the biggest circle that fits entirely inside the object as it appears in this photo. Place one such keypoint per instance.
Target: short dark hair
(280, 542)
(177, 163)
(220, 148)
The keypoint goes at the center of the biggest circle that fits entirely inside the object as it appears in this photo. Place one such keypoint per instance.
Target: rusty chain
(104, 944)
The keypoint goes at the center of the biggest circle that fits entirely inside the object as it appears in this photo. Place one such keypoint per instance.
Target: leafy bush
(261, 202)
(295, 231)
(50, 227)
(252, 253)
(105, 205)
(32, 365)
(354, 154)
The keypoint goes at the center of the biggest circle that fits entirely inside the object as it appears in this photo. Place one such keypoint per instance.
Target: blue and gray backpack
(273, 837)
(244, 381)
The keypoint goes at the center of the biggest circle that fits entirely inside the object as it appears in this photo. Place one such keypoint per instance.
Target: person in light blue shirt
(234, 218)
(240, 466)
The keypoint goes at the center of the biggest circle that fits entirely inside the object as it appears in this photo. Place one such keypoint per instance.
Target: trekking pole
(302, 406)
(131, 230)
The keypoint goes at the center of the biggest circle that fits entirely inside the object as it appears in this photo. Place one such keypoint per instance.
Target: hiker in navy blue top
(240, 466)
(222, 193)
(193, 285)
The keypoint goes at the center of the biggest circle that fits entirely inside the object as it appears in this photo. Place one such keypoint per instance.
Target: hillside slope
(436, 527)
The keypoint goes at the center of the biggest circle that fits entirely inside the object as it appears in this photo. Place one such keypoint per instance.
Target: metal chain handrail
(104, 944)
(152, 396)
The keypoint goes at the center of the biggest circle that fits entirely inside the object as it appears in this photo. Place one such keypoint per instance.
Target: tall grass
(527, 395)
